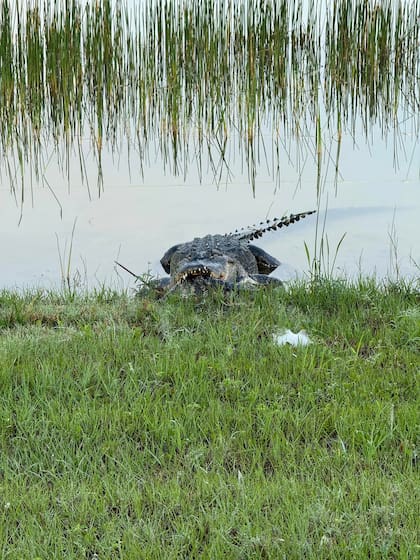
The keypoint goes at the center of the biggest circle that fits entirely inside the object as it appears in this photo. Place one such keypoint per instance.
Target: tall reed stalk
(190, 76)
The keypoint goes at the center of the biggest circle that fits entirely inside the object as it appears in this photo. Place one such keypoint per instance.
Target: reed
(189, 77)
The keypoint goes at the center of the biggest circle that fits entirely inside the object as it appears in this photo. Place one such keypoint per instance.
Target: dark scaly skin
(224, 260)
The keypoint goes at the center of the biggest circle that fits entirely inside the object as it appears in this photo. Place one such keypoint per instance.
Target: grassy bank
(136, 428)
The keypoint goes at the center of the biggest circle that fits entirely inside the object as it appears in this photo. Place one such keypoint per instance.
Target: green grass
(176, 428)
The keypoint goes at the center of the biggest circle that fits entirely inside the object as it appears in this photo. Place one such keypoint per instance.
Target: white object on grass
(295, 339)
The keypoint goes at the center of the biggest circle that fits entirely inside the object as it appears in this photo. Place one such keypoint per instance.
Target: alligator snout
(218, 268)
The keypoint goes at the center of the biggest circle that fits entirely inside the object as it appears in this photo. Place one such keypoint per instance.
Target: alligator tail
(256, 231)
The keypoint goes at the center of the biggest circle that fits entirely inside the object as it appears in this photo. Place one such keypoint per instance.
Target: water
(375, 204)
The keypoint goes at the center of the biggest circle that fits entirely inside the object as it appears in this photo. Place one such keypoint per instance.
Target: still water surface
(375, 204)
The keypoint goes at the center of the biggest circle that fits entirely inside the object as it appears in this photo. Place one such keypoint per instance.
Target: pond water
(375, 204)
(369, 212)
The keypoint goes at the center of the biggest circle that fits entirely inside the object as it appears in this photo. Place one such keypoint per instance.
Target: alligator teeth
(194, 272)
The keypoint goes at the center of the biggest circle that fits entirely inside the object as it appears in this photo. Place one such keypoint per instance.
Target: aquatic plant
(192, 77)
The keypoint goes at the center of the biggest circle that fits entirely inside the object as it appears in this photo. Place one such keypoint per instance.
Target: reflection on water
(182, 77)
(136, 219)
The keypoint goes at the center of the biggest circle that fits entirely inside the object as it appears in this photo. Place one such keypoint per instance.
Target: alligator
(229, 261)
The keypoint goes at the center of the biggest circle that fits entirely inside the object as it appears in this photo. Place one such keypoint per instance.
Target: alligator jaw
(191, 274)
(198, 270)
(200, 274)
